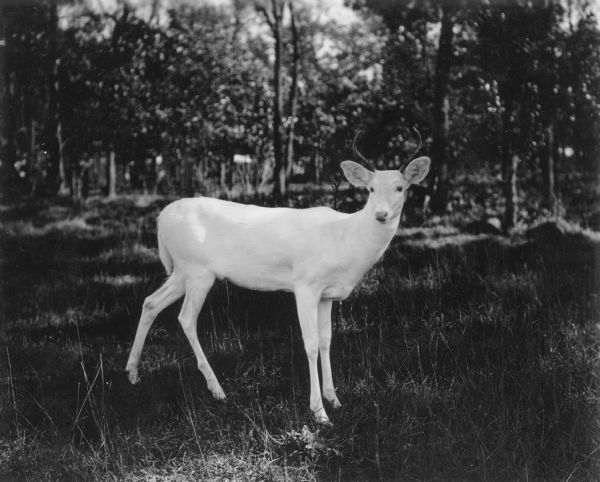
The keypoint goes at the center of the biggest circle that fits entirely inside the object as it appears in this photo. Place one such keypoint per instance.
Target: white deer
(318, 253)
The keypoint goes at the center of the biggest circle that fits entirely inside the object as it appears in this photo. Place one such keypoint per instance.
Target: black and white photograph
(300, 240)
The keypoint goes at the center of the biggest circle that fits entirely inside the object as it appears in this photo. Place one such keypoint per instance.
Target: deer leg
(195, 293)
(306, 303)
(324, 316)
(172, 290)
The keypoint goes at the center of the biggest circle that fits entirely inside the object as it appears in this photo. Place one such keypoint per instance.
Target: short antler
(419, 146)
(420, 142)
(369, 163)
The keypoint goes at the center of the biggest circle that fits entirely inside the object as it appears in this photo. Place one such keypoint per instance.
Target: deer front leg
(153, 305)
(307, 304)
(195, 295)
(324, 344)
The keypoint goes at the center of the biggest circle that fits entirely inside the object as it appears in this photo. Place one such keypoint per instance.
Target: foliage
(192, 87)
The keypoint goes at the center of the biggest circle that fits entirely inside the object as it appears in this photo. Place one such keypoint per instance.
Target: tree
(441, 111)
(408, 49)
(30, 96)
(292, 98)
(583, 68)
(7, 148)
(283, 137)
(502, 34)
(534, 69)
(340, 66)
(274, 20)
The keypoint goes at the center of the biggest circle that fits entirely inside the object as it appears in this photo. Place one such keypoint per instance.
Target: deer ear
(356, 174)
(416, 171)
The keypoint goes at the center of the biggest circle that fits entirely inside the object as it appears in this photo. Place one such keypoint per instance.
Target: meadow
(459, 357)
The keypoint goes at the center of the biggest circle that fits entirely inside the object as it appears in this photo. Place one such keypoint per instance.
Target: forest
(251, 99)
(469, 351)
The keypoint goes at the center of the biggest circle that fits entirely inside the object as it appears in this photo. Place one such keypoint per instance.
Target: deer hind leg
(324, 316)
(168, 293)
(196, 290)
(307, 303)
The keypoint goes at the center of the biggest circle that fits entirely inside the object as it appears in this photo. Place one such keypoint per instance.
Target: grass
(459, 357)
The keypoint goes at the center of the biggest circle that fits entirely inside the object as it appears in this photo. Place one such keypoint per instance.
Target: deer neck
(370, 236)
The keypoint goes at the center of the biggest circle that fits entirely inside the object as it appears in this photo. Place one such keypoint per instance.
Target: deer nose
(381, 216)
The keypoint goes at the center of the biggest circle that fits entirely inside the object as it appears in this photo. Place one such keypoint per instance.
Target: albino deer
(319, 254)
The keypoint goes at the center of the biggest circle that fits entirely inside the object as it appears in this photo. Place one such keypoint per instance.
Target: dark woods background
(160, 97)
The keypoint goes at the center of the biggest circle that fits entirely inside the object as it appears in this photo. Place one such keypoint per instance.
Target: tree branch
(263, 10)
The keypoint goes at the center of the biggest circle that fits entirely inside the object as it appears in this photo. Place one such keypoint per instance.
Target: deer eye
(399, 189)
(372, 189)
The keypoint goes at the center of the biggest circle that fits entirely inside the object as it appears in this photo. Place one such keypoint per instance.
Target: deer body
(319, 254)
(228, 239)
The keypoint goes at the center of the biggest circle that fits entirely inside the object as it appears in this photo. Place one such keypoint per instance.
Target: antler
(419, 146)
(420, 142)
(363, 158)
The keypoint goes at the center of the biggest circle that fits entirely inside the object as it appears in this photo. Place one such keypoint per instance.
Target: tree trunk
(187, 173)
(33, 158)
(75, 178)
(279, 171)
(53, 181)
(292, 101)
(223, 174)
(279, 168)
(63, 189)
(112, 173)
(510, 162)
(548, 170)
(317, 163)
(63, 184)
(441, 109)
(7, 144)
(595, 150)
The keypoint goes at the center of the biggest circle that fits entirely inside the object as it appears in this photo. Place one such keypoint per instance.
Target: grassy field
(459, 357)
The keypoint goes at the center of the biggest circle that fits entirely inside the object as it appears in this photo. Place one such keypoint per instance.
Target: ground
(459, 357)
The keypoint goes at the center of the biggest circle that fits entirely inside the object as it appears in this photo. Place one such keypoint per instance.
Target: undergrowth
(458, 357)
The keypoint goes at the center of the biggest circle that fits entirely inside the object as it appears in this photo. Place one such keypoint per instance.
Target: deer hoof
(322, 419)
(133, 376)
(332, 399)
(218, 393)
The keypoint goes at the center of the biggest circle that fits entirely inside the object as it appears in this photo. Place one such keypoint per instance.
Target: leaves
(199, 81)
